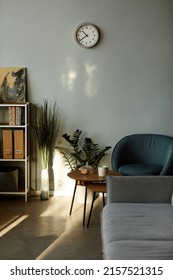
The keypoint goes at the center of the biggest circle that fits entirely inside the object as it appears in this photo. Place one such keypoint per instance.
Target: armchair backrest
(142, 148)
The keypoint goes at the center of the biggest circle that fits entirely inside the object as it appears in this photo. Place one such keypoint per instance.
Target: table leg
(94, 194)
(84, 209)
(71, 207)
(103, 195)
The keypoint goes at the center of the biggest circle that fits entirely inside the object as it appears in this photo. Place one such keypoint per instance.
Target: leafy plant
(46, 127)
(80, 152)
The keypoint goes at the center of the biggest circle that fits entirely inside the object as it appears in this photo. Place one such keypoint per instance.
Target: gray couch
(137, 221)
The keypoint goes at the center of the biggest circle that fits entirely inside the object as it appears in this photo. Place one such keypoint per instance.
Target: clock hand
(83, 37)
(85, 33)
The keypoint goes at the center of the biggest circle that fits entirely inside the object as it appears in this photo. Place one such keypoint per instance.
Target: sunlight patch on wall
(69, 79)
(90, 85)
(69, 76)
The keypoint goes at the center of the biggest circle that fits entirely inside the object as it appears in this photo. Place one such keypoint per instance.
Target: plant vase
(44, 193)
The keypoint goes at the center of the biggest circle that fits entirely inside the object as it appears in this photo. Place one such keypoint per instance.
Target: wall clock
(87, 35)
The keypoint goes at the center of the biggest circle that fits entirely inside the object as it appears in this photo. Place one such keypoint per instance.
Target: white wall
(122, 86)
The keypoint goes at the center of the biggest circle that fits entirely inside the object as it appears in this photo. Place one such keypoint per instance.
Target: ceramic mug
(102, 171)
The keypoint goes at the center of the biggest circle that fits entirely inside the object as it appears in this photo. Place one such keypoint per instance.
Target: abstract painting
(13, 85)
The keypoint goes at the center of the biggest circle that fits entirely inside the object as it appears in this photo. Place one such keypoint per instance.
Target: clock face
(87, 35)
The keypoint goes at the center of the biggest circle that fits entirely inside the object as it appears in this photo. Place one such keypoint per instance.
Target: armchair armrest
(118, 152)
(139, 189)
(167, 168)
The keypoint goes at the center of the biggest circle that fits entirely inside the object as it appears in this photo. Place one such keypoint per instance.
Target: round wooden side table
(88, 181)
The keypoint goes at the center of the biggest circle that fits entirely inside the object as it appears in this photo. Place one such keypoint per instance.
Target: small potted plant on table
(81, 153)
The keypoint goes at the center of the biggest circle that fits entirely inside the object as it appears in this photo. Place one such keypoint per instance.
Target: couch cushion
(138, 221)
(137, 169)
(135, 222)
(139, 250)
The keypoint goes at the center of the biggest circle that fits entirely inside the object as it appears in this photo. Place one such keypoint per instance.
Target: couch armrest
(139, 189)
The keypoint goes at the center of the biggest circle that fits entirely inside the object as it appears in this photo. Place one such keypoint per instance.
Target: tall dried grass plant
(46, 128)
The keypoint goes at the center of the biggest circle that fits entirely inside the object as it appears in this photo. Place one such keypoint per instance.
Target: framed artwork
(12, 85)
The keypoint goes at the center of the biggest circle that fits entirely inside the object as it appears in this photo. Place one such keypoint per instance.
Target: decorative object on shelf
(9, 175)
(87, 35)
(15, 115)
(12, 84)
(81, 152)
(46, 128)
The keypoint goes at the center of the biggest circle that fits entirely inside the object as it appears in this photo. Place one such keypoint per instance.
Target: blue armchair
(143, 154)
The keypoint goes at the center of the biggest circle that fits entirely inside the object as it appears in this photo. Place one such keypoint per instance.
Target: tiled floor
(44, 230)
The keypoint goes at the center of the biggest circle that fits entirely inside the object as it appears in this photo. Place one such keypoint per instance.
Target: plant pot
(44, 194)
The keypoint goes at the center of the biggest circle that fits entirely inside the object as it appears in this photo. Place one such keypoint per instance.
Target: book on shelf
(15, 115)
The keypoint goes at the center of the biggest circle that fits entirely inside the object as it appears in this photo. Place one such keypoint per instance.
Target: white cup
(102, 171)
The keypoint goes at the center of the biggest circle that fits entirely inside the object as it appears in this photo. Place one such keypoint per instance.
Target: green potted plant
(81, 152)
(46, 126)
